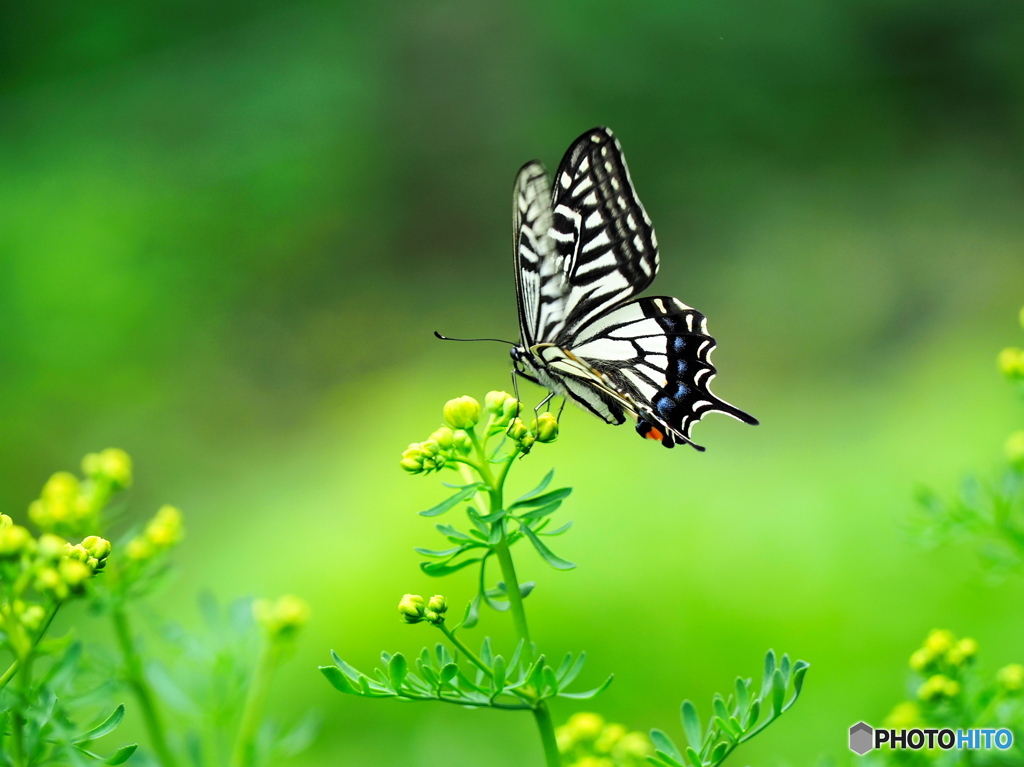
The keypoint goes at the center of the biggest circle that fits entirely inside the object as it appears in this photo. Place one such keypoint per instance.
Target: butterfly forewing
(539, 280)
(602, 233)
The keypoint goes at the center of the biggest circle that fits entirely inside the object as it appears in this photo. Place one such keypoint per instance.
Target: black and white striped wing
(605, 243)
(540, 280)
(653, 356)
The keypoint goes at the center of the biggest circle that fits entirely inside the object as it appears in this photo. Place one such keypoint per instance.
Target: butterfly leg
(543, 402)
(560, 409)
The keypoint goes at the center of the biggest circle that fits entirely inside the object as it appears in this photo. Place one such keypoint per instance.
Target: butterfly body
(582, 252)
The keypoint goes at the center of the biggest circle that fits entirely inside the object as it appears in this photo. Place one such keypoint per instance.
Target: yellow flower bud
(51, 547)
(921, 659)
(444, 437)
(140, 549)
(939, 641)
(436, 608)
(1011, 678)
(165, 529)
(282, 617)
(97, 547)
(5, 521)
(585, 725)
(502, 406)
(546, 428)
(517, 430)
(462, 412)
(412, 608)
(1011, 362)
(48, 581)
(74, 573)
(463, 442)
(32, 617)
(113, 465)
(962, 652)
(609, 738)
(937, 687)
(14, 541)
(1015, 449)
(412, 465)
(634, 745)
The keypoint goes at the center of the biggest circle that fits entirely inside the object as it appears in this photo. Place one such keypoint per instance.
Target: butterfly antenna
(499, 340)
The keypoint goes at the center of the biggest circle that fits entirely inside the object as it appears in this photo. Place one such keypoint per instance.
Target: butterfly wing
(540, 282)
(654, 356)
(604, 241)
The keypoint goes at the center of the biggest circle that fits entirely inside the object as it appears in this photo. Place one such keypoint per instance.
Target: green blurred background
(230, 228)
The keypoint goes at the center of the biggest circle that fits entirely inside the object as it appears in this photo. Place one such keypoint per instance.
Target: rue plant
(226, 728)
(480, 445)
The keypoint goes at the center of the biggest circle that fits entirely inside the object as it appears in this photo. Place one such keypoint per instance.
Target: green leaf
(450, 532)
(726, 727)
(452, 501)
(493, 516)
(398, 669)
(784, 667)
(441, 569)
(498, 673)
(778, 692)
(693, 757)
(753, 714)
(550, 682)
(543, 511)
(449, 671)
(589, 693)
(540, 488)
(440, 553)
(663, 742)
(542, 500)
(718, 753)
(718, 706)
(557, 530)
(546, 554)
(742, 695)
(472, 615)
(340, 681)
(691, 723)
(572, 671)
(769, 670)
(799, 671)
(661, 759)
(121, 755)
(108, 725)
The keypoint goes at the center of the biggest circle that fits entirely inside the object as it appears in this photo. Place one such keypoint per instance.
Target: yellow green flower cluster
(413, 609)
(161, 533)
(53, 567)
(1011, 678)
(456, 439)
(70, 506)
(586, 740)
(941, 659)
(281, 618)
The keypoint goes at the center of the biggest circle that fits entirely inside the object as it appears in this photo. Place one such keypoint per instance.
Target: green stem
(140, 687)
(255, 702)
(547, 735)
(541, 714)
(470, 655)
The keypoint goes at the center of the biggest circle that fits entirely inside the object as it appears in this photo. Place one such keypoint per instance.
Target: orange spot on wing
(654, 434)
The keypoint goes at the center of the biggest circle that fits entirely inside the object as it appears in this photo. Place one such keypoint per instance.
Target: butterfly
(583, 251)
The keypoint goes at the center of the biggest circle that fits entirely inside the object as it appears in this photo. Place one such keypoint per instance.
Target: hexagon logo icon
(861, 738)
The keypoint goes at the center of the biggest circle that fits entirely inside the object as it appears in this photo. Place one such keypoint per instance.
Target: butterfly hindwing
(656, 353)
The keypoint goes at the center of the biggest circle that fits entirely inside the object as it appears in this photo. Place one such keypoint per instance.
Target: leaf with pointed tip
(339, 680)
(542, 500)
(589, 693)
(108, 725)
(556, 531)
(573, 671)
(542, 511)
(450, 532)
(441, 569)
(122, 754)
(546, 554)
(472, 614)
(540, 488)
(452, 501)
(440, 553)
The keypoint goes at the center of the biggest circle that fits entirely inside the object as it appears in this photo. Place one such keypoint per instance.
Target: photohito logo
(864, 738)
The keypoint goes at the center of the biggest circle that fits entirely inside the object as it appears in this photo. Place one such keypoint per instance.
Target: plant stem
(547, 735)
(13, 668)
(470, 655)
(140, 687)
(541, 714)
(255, 702)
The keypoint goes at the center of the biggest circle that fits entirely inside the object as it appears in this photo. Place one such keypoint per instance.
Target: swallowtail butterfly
(582, 252)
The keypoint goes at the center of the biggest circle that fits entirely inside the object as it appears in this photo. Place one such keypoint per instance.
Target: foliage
(947, 689)
(735, 719)
(987, 510)
(39, 575)
(482, 444)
